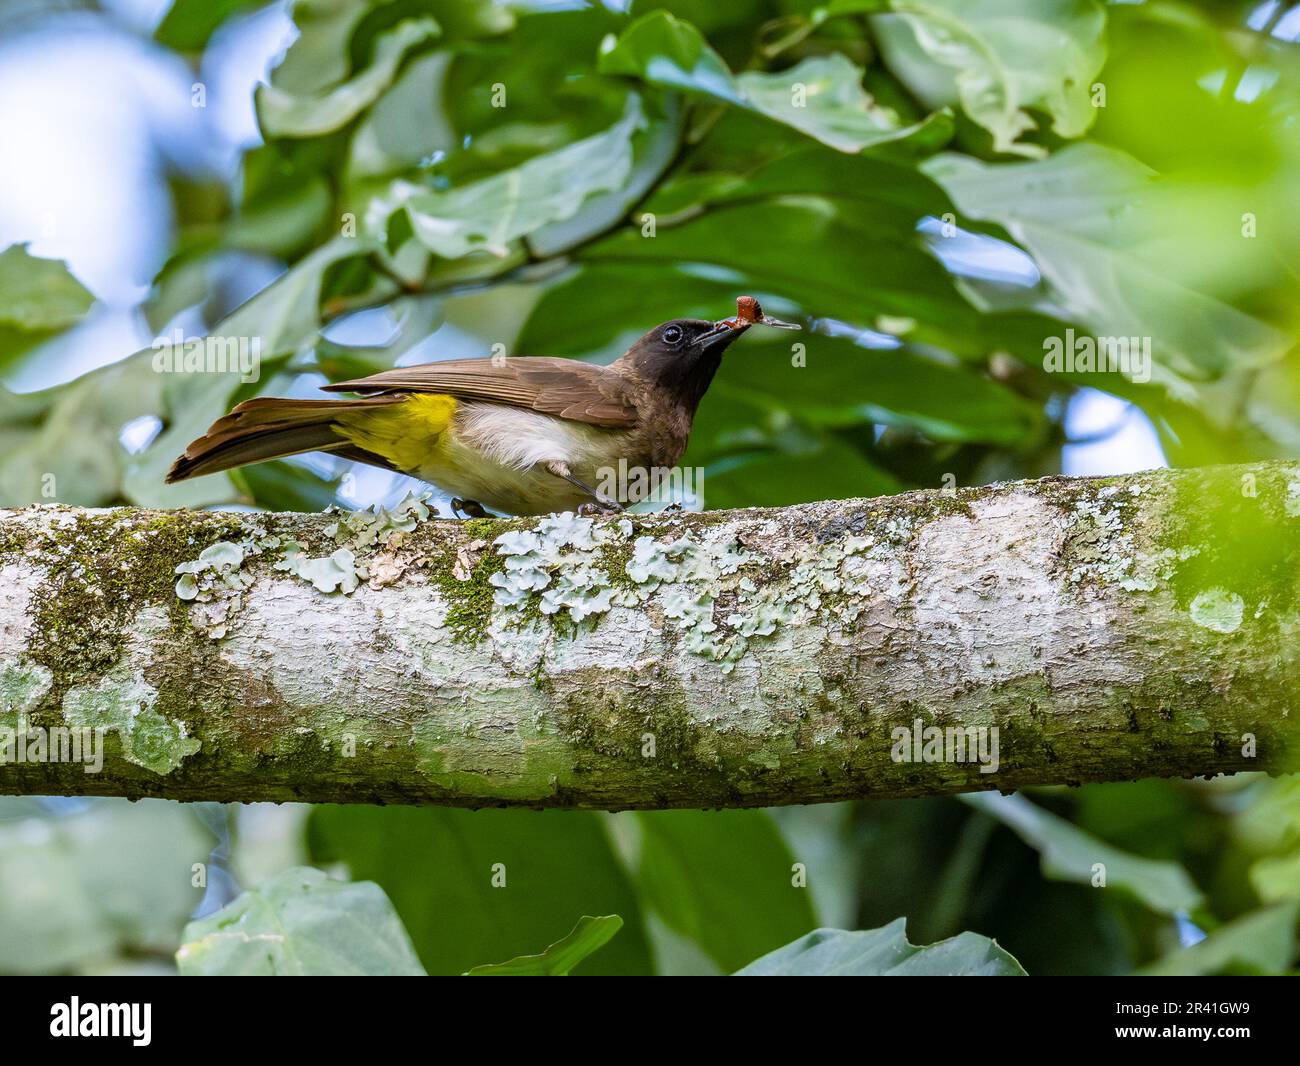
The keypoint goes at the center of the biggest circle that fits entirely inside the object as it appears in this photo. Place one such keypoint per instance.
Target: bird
(519, 435)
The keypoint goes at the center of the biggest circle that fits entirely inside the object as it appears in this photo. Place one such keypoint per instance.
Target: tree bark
(1107, 629)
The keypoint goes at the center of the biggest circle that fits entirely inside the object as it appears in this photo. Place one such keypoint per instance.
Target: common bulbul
(522, 435)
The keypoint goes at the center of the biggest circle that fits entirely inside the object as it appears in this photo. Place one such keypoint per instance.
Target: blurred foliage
(935, 189)
(300, 924)
(558, 960)
(883, 953)
(38, 300)
(476, 886)
(722, 879)
(88, 884)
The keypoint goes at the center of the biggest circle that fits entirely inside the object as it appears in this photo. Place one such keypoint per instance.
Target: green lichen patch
(22, 685)
(375, 526)
(1217, 609)
(125, 705)
(559, 560)
(215, 583)
(1104, 541)
(362, 547)
(336, 572)
(1141, 533)
(714, 594)
(540, 759)
(1291, 502)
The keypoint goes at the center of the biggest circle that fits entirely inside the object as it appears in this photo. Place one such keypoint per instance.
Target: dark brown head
(680, 357)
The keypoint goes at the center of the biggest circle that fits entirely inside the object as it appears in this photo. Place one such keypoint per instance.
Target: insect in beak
(748, 313)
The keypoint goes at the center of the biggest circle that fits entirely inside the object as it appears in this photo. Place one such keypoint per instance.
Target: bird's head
(684, 354)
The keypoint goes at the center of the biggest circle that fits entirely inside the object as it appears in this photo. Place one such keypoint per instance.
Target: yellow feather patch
(406, 434)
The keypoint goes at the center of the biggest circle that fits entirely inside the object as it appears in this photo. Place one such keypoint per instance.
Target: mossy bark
(1107, 629)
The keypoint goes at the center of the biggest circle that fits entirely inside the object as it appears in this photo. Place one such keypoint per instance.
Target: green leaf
(286, 112)
(471, 885)
(1261, 942)
(722, 879)
(189, 23)
(285, 317)
(39, 299)
(412, 318)
(589, 935)
(604, 306)
(39, 295)
(654, 148)
(844, 384)
(683, 194)
(62, 443)
(547, 68)
(711, 17)
(671, 53)
(1098, 224)
(15, 343)
(856, 260)
(884, 952)
(469, 19)
(490, 214)
(1000, 58)
(320, 56)
(821, 97)
(301, 924)
(895, 197)
(1070, 854)
(1276, 877)
(80, 888)
(408, 123)
(287, 203)
(183, 282)
(282, 223)
(820, 11)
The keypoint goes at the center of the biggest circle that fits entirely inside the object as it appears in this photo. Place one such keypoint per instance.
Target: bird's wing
(566, 388)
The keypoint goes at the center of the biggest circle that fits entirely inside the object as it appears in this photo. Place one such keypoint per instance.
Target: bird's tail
(267, 428)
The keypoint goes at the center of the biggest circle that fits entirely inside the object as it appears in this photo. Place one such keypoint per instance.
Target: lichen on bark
(1108, 628)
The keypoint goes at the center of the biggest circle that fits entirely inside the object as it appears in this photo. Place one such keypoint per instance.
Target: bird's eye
(673, 335)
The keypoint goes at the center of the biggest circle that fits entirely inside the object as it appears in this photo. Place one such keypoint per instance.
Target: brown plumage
(525, 435)
(581, 392)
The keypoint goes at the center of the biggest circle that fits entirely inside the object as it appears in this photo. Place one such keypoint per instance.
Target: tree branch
(1108, 629)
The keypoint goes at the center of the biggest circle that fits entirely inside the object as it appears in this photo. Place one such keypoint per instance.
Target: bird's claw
(600, 507)
(468, 508)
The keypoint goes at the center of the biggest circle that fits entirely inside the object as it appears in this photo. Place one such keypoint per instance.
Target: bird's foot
(468, 509)
(600, 507)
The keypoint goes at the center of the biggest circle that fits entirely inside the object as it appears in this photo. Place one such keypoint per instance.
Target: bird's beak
(722, 333)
